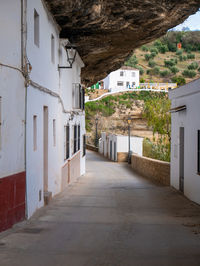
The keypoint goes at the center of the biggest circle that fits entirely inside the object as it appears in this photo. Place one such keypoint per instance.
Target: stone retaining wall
(152, 169)
(91, 147)
(122, 157)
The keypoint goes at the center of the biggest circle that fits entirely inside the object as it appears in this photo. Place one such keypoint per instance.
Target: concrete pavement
(110, 217)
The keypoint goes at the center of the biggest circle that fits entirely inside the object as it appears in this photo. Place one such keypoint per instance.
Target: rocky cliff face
(107, 31)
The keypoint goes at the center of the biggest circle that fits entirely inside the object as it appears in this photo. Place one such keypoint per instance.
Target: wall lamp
(71, 55)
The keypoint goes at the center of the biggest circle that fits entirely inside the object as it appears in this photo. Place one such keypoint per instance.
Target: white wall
(46, 73)
(136, 144)
(12, 91)
(188, 95)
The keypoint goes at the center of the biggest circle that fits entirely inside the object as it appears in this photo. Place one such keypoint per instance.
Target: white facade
(38, 109)
(185, 141)
(122, 79)
(110, 145)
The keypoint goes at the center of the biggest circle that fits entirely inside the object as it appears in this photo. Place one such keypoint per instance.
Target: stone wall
(91, 147)
(152, 169)
(122, 157)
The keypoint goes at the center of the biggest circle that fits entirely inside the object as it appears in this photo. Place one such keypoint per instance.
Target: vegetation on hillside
(107, 106)
(162, 61)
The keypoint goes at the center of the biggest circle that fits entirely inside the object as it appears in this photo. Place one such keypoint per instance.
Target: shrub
(147, 57)
(154, 50)
(193, 65)
(163, 49)
(132, 61)
(157, 150)
(180, 58)
(152, 63)
(179, 52)
(169, 63)
(141, 70)
(174, 69)
(154, 71)
(144, 48)
(157, 43)
(189, 73)
(153, 54)
(171, 47)
(164, 73)
(179, 80)
(199, 69)
(142, 80)
(190, 56)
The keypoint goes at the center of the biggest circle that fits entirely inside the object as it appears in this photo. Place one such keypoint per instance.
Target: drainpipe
(24, 70)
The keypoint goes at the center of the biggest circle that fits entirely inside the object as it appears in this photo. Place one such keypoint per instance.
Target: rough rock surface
(107, 31)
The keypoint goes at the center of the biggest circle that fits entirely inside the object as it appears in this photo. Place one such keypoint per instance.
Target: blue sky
(193, 22)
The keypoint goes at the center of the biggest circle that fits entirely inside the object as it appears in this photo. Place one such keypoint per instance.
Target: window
(121, 73)
(34, 132)
(84, 145)
(133, 74)
(52, 49)
(198, 152)
(66, 142)
(127, 84)
(78, 96)
(0, 122)
(54, 132)
(36, 28)
(75, 139)
(120, 83)
(79, 136)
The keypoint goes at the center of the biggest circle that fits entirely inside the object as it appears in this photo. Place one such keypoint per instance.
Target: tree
(156, 111)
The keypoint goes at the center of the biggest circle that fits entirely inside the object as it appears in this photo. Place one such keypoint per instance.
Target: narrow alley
(109, 217)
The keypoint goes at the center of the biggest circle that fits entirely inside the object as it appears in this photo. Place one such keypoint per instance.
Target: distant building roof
(128, 68)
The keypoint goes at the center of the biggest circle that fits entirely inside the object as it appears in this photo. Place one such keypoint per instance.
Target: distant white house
(122, 79)
(115, 147)
(185, 140)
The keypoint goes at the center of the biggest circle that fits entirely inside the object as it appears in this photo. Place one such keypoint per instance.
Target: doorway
(181, 160)
(45, 148)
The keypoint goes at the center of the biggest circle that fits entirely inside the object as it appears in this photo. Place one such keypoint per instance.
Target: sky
(193, 22)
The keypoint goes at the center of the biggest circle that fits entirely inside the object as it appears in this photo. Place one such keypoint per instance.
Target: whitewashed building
(115, 147)
(42, 118)
(185, 139)
(122, 79)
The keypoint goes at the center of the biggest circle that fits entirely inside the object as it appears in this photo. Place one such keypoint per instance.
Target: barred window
(66, 142)
(79, 136)
(84, 145)
(75, 139)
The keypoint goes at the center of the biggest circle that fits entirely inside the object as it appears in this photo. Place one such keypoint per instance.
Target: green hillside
(162, 61)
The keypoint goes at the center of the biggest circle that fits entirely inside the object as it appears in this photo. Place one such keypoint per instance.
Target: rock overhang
(106, 32)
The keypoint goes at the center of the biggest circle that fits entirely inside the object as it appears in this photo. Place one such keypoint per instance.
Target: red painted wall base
(12, 200)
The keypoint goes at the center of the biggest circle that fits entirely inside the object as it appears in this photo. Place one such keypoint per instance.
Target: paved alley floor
(110, 217)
